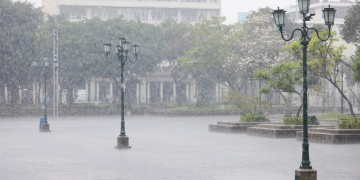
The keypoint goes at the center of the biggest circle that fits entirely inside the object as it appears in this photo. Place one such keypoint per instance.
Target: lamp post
(121, 54)
(45, 127)
(279, 18)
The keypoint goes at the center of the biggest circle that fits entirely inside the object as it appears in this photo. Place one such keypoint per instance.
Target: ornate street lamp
(121, 54)
(279, 18)
(45, 127)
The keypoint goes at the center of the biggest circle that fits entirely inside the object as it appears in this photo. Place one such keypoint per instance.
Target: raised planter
(233, 127)
(331, 136)
(279, 130)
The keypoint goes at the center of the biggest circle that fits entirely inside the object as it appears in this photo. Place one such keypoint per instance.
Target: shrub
(294, 121)
(252, 118)
(349, 124)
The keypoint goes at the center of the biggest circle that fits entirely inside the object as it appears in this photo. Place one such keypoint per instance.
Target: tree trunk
(69, 96)
(346, 99)
(14, 94)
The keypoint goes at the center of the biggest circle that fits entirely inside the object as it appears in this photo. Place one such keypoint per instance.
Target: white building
(150, 11)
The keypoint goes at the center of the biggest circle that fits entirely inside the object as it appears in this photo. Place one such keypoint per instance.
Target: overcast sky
(230, 8)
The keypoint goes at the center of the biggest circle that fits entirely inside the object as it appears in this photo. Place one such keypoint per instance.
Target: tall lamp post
(305, 170)
(121, 54)
(45, 127)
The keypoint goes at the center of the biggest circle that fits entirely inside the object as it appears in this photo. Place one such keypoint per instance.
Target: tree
(176, 40)
(18, 21)
(324, 60)
(211, 45)
(351, 30)
(283, 78)
(321, 91)
(81, 53)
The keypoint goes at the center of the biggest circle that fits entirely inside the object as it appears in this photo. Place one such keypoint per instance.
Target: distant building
(242, 16)
(150, 11)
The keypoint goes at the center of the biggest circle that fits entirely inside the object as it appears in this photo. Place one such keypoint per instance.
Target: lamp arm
(317, 33)
(292, 35)
(134, 60)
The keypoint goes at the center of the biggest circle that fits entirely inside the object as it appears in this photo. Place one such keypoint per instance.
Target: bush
(252, 118)
(294, 121)
(349, 124)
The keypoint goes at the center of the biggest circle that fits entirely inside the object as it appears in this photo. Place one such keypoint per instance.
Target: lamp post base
(305, 174)
(45, 127)
(122, 142)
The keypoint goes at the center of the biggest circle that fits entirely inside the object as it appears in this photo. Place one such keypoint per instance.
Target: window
(214, 13)
(73, 16)
(83, 16)
(104, 17)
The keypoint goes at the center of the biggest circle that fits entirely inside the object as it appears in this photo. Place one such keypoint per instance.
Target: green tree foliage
(81, 55)
(283, 77)
(356, 61)
(19, 22)
(211, 45)
(350, 32)
(246, 104)
(176, 40)
(324, 60)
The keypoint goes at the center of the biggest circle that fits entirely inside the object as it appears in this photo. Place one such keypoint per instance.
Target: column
(86, 92)
(161, 92)
(137, 93)
(148, 93)
(73, 94)
(20, 95)
(174, 92)
(179, 16)
(142, 95)
(34, 93)
(220, 92)
(92, 91)
(97, 91)
(193, 93)
(88, 13)
(217, 92)
(6, 95)
(187, 93)
(111, 93)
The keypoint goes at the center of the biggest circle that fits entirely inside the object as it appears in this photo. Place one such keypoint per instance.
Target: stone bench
(279, 130)
(332, 136)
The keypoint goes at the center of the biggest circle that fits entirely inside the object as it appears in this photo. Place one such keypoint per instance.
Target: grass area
(332, 116)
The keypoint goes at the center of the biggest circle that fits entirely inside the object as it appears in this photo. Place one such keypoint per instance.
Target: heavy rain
(179, 89)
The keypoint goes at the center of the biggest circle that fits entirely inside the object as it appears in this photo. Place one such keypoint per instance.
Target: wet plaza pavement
(162, 148)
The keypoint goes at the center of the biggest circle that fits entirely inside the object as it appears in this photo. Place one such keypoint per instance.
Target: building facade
(150, 11)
